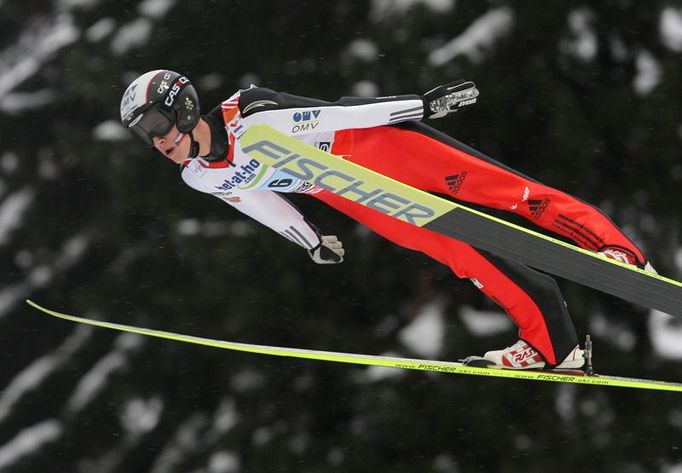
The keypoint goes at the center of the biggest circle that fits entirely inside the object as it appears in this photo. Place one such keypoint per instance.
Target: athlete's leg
(531, 299)
(438, 163)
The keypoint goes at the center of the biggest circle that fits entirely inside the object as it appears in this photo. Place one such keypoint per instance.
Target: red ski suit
(423, 158)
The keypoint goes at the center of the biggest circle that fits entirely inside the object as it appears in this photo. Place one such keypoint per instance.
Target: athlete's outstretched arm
(293, 114)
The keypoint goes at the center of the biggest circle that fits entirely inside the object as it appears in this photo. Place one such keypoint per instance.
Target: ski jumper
(386, 134)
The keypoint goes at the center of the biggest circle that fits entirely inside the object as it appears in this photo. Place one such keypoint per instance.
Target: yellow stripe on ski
(372, 360)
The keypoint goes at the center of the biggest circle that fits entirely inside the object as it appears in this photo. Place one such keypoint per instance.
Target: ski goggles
(152, 122)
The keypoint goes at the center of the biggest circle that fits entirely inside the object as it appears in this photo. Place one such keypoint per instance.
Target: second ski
(454, 220)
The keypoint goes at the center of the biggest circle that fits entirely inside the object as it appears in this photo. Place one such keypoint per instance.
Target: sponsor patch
(455, 182)
(526, 194)
(340, 183)
(196, 168)
(538, 206)
(242, 176)
(305, 121)
(324, 146)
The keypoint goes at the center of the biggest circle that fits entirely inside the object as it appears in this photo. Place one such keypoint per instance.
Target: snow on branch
(478, 37)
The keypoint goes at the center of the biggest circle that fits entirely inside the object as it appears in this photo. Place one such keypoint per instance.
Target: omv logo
(306, 120)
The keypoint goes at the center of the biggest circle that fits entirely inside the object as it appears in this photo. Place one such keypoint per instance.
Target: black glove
(329, 251)
(449, 98)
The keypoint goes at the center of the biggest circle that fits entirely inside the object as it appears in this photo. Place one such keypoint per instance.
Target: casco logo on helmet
(170, 99)
(163, 86)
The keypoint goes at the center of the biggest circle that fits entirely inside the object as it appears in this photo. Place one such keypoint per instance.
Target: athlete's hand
(449, 98)
(329, 251)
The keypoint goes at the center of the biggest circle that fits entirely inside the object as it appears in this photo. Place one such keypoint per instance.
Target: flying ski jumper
(388, 136)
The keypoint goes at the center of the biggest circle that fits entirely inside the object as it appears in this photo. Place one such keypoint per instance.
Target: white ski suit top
(252, 187)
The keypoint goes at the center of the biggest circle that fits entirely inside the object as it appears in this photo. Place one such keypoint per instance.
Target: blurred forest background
(584, 96)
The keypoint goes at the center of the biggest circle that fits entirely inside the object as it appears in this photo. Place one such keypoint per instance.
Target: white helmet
(156, 101)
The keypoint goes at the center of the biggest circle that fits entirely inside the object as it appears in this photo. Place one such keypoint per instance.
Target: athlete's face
(173, 145)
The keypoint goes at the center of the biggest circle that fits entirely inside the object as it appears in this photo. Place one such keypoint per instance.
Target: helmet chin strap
(193, 147)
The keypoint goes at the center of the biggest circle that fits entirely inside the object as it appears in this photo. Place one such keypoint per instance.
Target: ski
(447, 367)
(451, 219)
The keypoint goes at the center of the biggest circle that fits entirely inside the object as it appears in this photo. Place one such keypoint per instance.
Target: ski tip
(37, 306)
